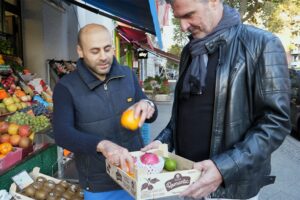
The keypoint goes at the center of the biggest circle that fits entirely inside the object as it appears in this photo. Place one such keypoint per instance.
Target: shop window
(12, 2)
(11, 35)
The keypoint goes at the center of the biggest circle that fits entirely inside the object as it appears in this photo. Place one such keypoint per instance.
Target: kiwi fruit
(52, 196)
(41, 179)
(40, 195)
(65, 184)
(29, 191)
(49, 185)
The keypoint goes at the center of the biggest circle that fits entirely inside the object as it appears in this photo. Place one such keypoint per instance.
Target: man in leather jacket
(88, 104)
(231, 103)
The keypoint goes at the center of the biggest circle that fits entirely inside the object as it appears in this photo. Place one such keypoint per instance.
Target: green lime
(170, 164)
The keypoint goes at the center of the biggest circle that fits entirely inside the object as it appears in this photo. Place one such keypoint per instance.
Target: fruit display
(128, 121)
(62, 68)
(43, 189)
(16, 135)
(36, 123)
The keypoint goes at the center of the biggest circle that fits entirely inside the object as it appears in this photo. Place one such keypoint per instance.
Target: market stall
(25, 122)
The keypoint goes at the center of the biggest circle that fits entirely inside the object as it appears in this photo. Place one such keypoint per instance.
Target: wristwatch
(149, 102)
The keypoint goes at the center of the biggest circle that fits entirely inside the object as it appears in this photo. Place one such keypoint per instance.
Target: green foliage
(6, 47)
(179, 36)
(176, 50)
(158, 84)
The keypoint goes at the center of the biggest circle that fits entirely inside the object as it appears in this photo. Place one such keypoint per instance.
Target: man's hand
(208, 182)
(142, 109)
(116, 155)
(153, 145)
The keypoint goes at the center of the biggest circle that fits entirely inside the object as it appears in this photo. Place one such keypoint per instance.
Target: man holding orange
(88, 104)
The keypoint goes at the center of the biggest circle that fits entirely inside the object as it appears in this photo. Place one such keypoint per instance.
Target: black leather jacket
(251, 109)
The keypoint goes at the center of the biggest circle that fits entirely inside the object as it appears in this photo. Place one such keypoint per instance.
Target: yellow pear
(8, 100)
(12, 107)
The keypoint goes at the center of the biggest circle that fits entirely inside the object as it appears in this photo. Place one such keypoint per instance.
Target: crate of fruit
(157, 174)
(46, 187)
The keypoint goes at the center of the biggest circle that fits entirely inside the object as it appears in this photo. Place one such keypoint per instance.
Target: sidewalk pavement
(285, 162)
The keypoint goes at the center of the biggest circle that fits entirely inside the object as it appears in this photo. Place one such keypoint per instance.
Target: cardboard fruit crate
(11, 158)
(151, 186)
(14, 191)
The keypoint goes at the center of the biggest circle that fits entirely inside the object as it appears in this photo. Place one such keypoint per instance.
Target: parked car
(295, 102)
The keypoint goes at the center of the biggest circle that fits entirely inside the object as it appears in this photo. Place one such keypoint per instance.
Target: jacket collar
(91, 80)
(223, 39)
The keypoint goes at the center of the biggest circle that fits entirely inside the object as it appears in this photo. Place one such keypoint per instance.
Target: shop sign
(142, 54)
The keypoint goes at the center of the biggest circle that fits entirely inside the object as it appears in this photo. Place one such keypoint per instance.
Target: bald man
(88, 104)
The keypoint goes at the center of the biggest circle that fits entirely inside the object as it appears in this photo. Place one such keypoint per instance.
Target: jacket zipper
(220, 62)
(106, 82)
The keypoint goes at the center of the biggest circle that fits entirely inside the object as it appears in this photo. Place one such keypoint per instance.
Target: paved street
(285, 162)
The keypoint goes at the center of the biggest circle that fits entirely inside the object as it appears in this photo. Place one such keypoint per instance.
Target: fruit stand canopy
(139, 40)
(140, 14)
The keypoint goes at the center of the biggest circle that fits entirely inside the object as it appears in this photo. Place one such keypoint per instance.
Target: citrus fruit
(128, 121)
(170, 164)
(5, 148)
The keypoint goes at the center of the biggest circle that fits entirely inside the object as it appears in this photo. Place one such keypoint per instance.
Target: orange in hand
(128, 121)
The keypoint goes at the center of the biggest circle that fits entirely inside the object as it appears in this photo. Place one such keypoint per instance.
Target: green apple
(12, 107)
(2, 105)
(7, 101)
(16, 99)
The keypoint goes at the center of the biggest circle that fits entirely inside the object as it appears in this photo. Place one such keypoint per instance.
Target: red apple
(4, 127)
(149, 159)
(4, 138)
(24, 130)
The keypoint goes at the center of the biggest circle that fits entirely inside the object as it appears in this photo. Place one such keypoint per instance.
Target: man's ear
(79, 51)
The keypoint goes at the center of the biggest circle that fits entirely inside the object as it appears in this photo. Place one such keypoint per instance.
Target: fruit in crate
(3, 94)
(3, 127)
(150, 163)
(128, 121)
(14, 140)
(24, 130)
(13, 129)
(4, 138)
(5, 148)
(149, 159)
(24, 142)
(1, 60)
(16, 99)
(36, 123)
(8, 100)
(170, 164)
(12, 107)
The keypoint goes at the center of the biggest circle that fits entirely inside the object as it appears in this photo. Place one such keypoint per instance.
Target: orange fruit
(5, 148)
(131, 174)
(128, 121)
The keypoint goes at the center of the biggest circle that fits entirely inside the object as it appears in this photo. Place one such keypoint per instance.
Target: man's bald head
(88, 29)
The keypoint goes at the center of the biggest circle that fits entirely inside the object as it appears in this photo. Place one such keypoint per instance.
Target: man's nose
(184, 25)
(102, 55)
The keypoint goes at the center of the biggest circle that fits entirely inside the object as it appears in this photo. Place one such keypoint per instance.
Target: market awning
(140, 14)
(140, 40)
(161, 53)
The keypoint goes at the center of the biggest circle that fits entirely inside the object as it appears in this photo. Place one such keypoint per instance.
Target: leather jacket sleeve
(270, 117)
(166, 135)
